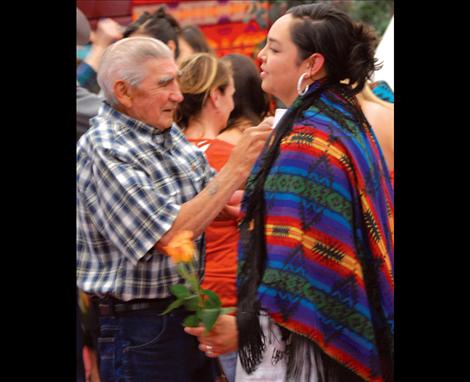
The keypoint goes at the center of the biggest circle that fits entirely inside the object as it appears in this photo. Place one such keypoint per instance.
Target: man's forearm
(196, 214)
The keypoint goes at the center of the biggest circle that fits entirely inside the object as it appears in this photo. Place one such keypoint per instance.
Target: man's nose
(176, 96)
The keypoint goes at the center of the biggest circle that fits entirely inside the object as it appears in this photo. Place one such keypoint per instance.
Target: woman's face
(185, 50)
(279, 69)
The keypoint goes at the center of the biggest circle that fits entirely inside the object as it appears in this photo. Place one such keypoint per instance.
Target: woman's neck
(202, 127)
(240, 124)
(234, 132)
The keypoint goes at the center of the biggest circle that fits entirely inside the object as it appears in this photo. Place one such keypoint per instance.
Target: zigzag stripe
(348, 261)
(319, 143)
(336, 151)
(381, 246)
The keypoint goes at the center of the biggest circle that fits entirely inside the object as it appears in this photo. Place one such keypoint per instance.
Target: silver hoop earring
(299, 84)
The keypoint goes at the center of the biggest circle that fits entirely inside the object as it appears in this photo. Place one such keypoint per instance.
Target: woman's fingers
(209, 350)
(198, 331)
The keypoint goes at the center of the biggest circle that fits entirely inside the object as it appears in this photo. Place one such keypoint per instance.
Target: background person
(160, 25)
(380, 115)
(251, 103)
(207, 86)
(192, 40)
(107, 31)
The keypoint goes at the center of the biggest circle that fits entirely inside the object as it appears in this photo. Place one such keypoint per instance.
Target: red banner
(230, 26)
(244, 38)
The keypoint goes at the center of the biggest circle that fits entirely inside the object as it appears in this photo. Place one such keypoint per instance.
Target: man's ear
(315, 65)
(122, 93)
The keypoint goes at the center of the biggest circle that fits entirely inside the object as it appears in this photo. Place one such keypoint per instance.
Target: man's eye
(165, 82)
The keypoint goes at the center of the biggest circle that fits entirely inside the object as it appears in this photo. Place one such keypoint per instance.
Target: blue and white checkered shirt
(131, 182)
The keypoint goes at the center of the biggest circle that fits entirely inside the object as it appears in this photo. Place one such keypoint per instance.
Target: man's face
(155, 99)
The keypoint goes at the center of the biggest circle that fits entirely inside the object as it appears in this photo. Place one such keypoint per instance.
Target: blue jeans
(144, 346)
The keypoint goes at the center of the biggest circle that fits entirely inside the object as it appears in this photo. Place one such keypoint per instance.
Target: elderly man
(139, 183)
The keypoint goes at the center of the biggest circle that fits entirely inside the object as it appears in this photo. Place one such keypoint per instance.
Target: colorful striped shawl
(329, 238)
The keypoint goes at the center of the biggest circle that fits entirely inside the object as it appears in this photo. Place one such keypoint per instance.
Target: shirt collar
(161, 137)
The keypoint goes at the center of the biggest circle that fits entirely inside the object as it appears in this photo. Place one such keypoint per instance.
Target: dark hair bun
(348, 47)
(362, 62)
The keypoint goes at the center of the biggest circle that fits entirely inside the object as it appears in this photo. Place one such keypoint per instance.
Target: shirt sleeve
(132, 209)
(208, 172)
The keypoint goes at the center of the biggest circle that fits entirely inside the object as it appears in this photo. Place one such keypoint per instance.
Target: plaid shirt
(131, 182)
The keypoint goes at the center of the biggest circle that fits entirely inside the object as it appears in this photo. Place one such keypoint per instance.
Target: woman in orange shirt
(207, 87)
(221, 99)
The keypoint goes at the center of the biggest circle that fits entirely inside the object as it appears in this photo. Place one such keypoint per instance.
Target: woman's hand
(236, 198)
(229, 213)
(232, 208)
(223, 338)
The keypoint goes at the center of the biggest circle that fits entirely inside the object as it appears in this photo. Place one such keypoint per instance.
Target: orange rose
(181, 247)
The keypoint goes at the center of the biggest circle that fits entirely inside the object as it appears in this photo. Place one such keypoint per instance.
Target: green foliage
(192, 303)
(205, 303)
(173, 305)
(376, 13)
(208, 317)
(180, 291)
(192, 321)
(213, 301)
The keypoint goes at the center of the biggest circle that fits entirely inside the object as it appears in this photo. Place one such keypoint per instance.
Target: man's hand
(223, 338)
(249, 147)
(196, 214)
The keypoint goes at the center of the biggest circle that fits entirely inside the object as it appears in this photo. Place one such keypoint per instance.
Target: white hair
(123, 60)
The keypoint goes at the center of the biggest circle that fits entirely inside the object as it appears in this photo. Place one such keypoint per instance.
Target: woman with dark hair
(160, 25)
(251, 102)
(205, 82)
(191, 40)
(315, 279)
